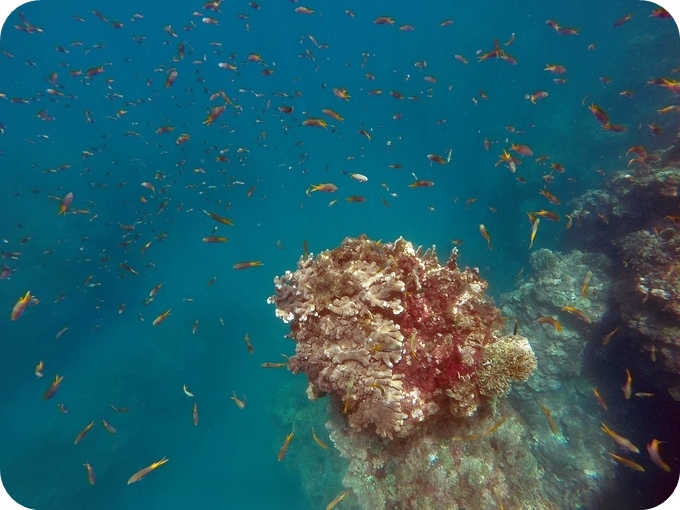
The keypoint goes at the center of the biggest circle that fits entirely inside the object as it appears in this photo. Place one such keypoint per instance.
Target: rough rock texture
(572, 454)
(556, 280)
(394, 337)
(635, 219)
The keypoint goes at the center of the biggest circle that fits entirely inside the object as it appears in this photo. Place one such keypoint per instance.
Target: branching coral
(394, 337)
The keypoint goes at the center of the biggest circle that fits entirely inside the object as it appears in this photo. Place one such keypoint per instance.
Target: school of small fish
(199, 89)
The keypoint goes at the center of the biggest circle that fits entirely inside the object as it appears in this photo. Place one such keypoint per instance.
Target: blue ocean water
(71, 262)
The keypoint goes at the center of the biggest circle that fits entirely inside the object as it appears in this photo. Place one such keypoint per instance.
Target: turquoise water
(120, 359)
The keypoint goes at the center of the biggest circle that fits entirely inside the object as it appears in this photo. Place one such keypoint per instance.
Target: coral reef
(634, 219)
(556, 280)
(437, 467)
(396, 338)
(572, 453)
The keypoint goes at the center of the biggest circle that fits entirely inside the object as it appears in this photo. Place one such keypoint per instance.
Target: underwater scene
(356, 255)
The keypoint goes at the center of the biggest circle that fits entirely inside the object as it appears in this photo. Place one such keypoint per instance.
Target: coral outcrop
(635, 220)
(396, 338)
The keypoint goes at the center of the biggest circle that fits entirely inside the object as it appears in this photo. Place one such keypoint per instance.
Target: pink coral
(394, 337)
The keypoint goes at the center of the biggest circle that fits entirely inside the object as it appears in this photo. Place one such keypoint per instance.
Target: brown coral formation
(396, 338)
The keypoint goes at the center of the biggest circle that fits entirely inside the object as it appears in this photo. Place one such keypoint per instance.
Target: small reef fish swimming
(319, 441)
(91, 478)
(577, 312)
(248, 264)
(626, 462)
(20, 306)
(143, 472)
(485, 235)
(655, 455)
(620, 440)
(599, 399)
(49, 393)
(627, 388)
(284, 447)
(161, 317)
(83, 432)
(337, 500)
(551, 420)
(241, 404)
(327, 187)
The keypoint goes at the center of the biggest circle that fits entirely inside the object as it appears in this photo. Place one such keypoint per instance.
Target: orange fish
(327, 187)
(39, 369)
(534, 228)
(219, 219)
(333, 114)
(319, 441)
(284, 447)
(618, 128)
(551, 198)
(653, 451)
(49, 393)
(143, 472)
(608, 336)
(524, 150)
(341, 93)
(485, 235)
(620, 440)
(623, 20)
(507, 158)
(365, 133)
(559, 168)
(421, 184)
(65, 203)
(551, 420)
(304, 10)
(312, 121)
(578, 313)
(161, 317)
(20, 306)
(547, 214)
(241, 404)
(172, 76)
(536, 96)
(555, 68)
(586, 281)
(599, 399)
(627, 387)
(215, 239)
(83, 432)
(248, 264)
(627, 462)
(436, 158)
(383, 20)
(550, 320)
(338, 499)
(355, 198)
(149, 186)
(215, 112)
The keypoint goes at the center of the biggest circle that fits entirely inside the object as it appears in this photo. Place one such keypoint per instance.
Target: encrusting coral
(396, 338)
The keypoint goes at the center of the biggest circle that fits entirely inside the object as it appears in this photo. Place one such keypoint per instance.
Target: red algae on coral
(396, 338)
